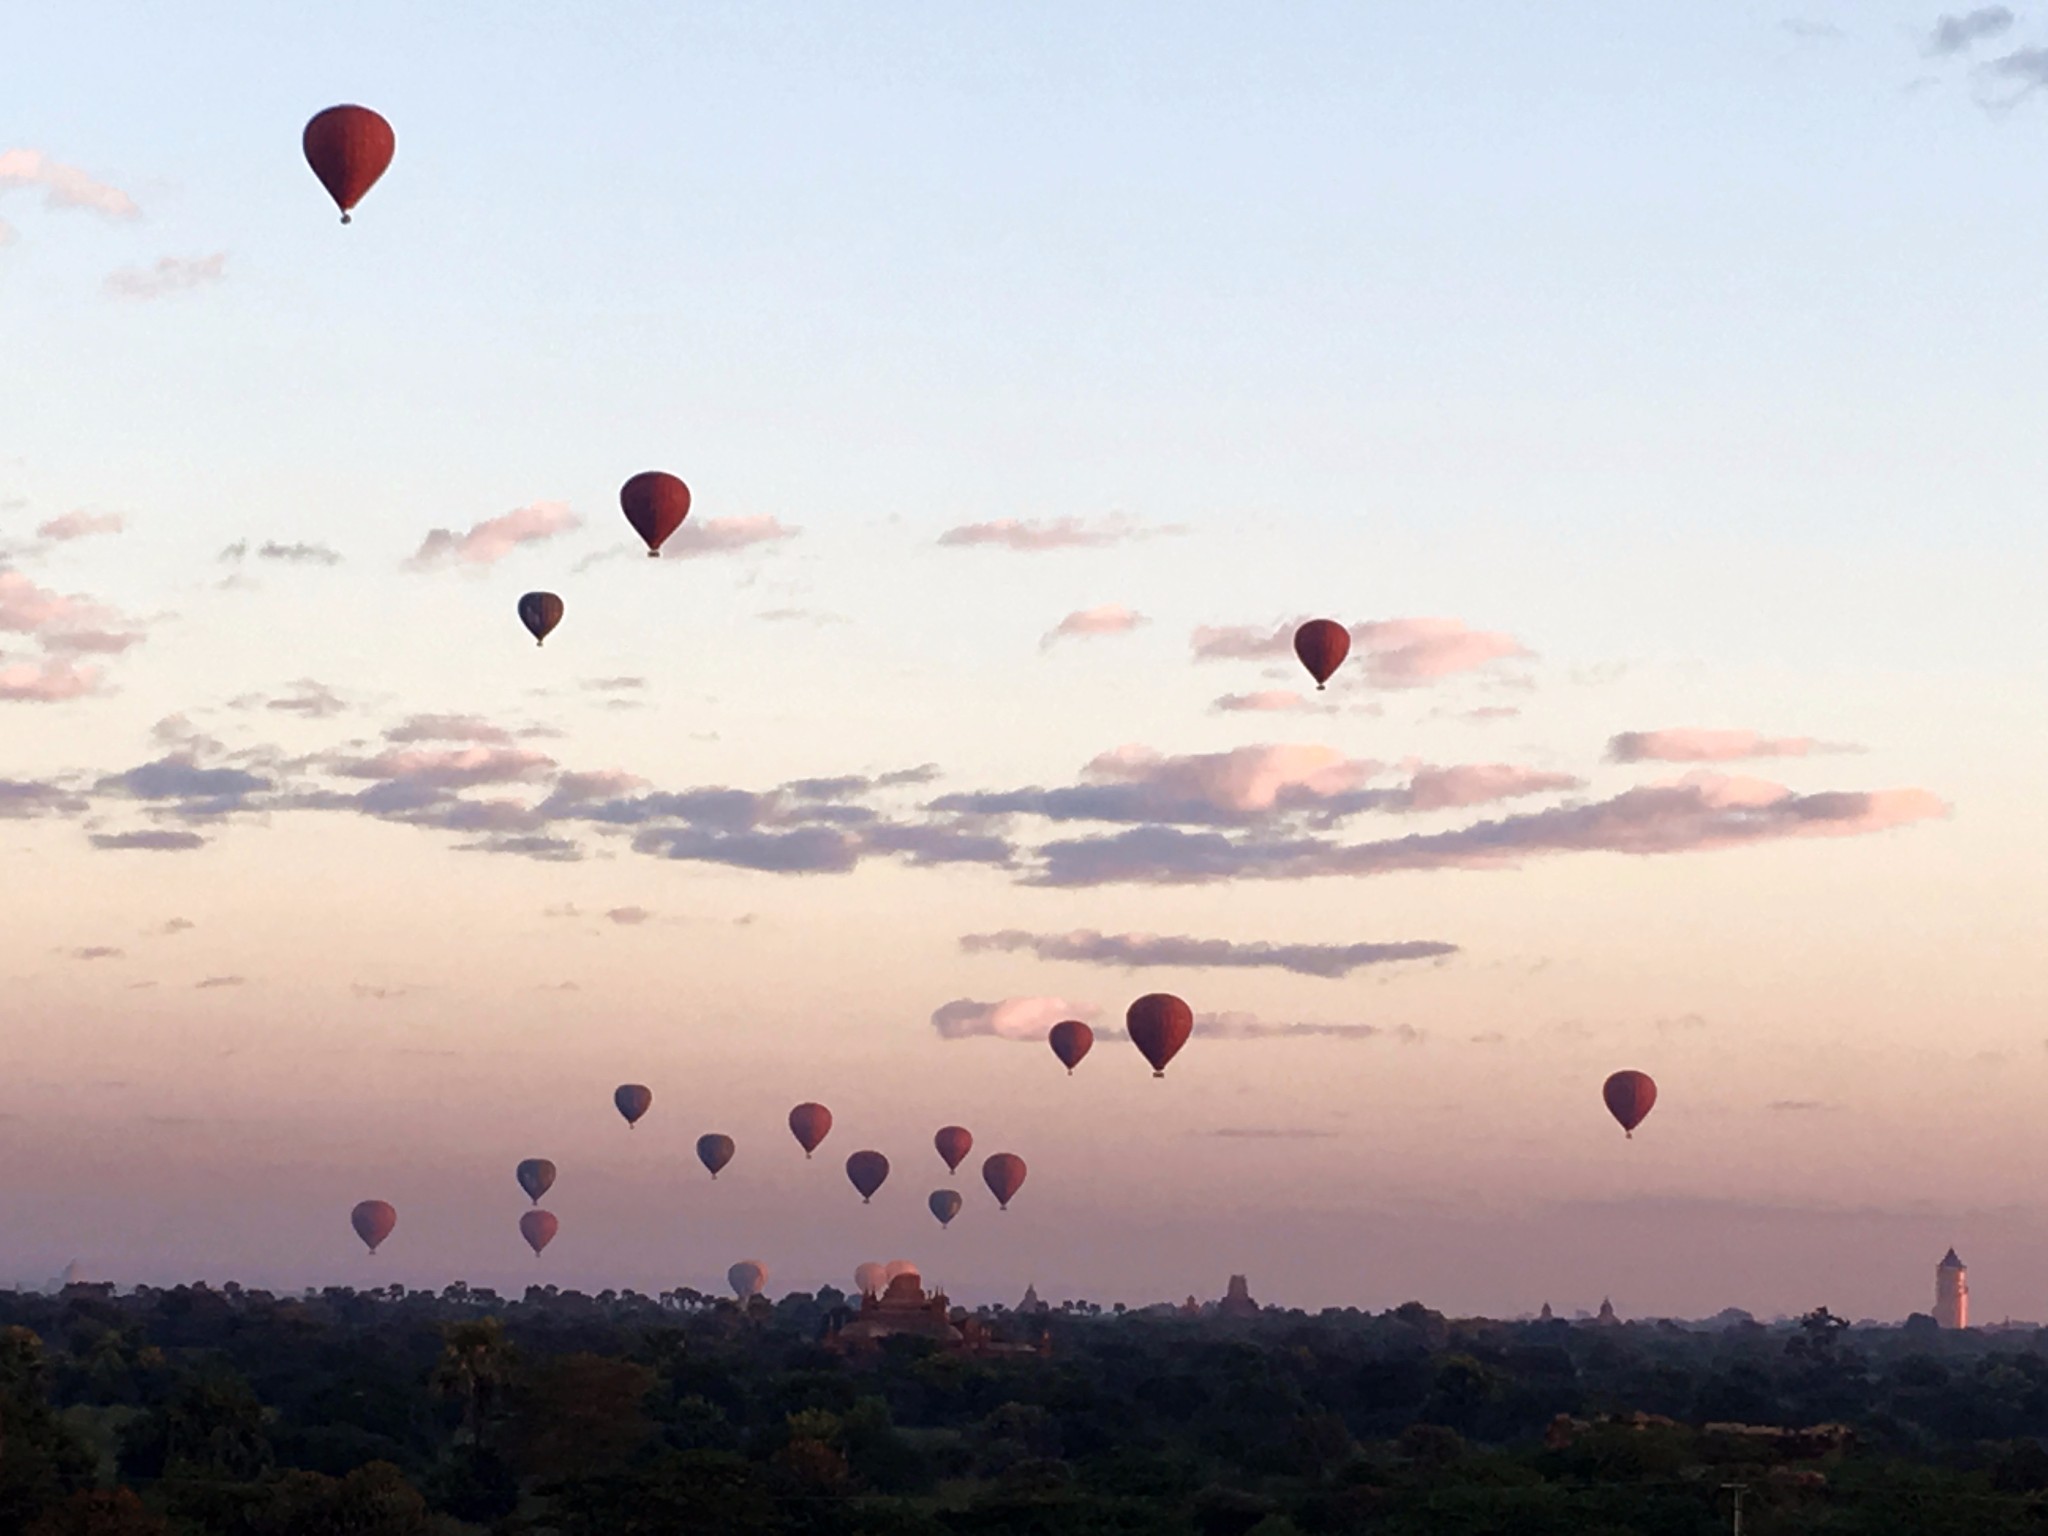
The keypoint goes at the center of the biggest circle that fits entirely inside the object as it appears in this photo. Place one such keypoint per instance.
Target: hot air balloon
(945, 1204)
(540, 612)
(809, 1124)
(747, 1278)
(655, 504)
(536, 1176)
(1004, 1176)
(633, 1101)
(714, 1152)
(896, 1268)
(538, 1228)
(869, 1278)
(954, 1143)
(1630, 1097)
(348, 148)
(1070, 1040)
(1322, 645)
(373, 1221)
(1159, 1025)
(867, 1170)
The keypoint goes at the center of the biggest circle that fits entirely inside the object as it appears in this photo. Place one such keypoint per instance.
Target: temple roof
(1951, 1262)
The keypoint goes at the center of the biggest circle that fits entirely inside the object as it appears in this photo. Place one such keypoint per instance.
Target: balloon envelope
(540, 612)
(655, 504)
(954, 1143)
(1004, 1176)
(714, 1152)
(538, 1228)
(746, 1278)
(1630, 1097)
(348, 148)
(633, 1100)
(1071, 1040)
(1159, 1024)
(869, 1278)
(373, 1221)
(867, 1170)
(536, 1176)
(896, 1267)
(809, 1123)
(945, 1204)
(1322, 645)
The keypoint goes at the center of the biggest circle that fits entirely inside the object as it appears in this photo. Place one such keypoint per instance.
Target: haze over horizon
(1653, 395)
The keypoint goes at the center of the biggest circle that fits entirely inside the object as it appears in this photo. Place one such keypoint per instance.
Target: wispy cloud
(1271, 701)
(49, 681)
(488, 542)
(298, 554)
(629, 917)
(311, 698)
(1270, 1133)
(209, 982)
(63, 186)
(98, 952)
(1391, 653)
(1693, 745)
(725, 536)
(1109, 619)
(1136, 950)
(79, 525)
(169, 274)
(449, 728)
(1955, 34)
(1035, 536)
(149, 841)
(1247, 1026)
(1014, 1018)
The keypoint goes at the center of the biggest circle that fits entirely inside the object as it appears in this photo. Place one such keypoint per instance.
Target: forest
(198, 1411)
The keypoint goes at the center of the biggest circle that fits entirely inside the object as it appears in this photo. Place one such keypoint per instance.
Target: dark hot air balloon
(536, 1176)
(348, 148)
(373, 1221)
(1159, 1024)
(538, 1228)
(540, 612)
(1322, 645)
(1630, 1097)
(746, 1278)
(954, 1143)
(867, 1170)
(633, 1101)
(809, 1124)
(1004, 1176)
(714, 1152)
(655, 504)
(1070, 1040)
(945, 1204)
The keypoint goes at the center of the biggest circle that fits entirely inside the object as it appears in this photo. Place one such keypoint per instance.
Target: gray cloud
(98, 952)
(220, 981)
(298, 554)
(1134, 950)
(629, 917)
(1954, 34)
(155, 842)
(1038, 535)
(1245, 1026)
(21, 800)
(1270, 1133)
(448, 728)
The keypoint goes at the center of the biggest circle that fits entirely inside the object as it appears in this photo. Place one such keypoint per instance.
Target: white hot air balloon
(747, 1278)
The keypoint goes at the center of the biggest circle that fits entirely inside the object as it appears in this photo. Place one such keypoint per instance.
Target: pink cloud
(1693, 745)
(64, 186)
(457, 768)
(1244, 642)
(629, 917)
(449, 728)
(27, 608)
(1245, 779)
(488, 542)
(169, 274)
(1438, 789)
(79, 525)
(1272, 701)
(725, 535)
(1014, 1018)
(1036, 536)
(1407, 653)
(46, 682)
(1109, 619)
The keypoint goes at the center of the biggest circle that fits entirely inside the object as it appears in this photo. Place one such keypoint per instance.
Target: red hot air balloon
(1630, 1096)
(1070, 1040)
(655, 504)
(633, 1101)
(945, 1204)
(809, 1124)
(348, 148)
(714, 1152)
(1004, 1176)
(1322, 645)
(954, 1143)
(1159, 1024)
(536, 1176)
(867, 1170)
(373, 1221)
(540, 612)
(539, 1229)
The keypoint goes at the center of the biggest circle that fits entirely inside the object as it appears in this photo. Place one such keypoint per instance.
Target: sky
(1654, 391)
